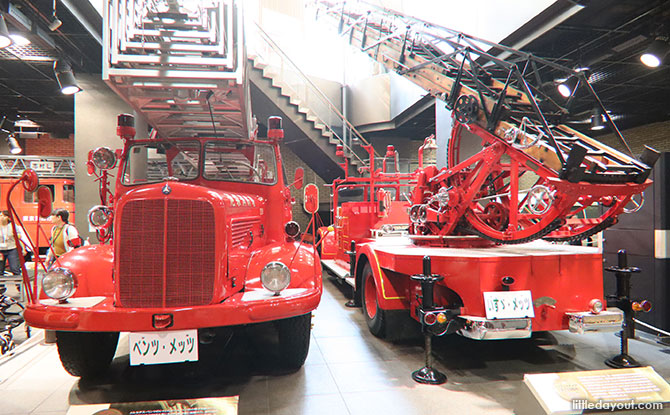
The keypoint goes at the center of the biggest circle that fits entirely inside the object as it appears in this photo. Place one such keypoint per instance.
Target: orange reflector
(441, 318)
(644, 306)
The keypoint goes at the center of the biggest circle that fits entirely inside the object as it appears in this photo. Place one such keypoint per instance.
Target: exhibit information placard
(203, 406)
(606, 390)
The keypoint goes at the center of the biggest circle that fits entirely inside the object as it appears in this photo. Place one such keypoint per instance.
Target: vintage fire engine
(460, 249)
(197, 237)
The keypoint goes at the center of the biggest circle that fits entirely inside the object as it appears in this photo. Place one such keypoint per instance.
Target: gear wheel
(466, 109)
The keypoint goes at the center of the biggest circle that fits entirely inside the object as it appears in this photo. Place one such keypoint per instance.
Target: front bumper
(583, 322)
(100, 314)
(480, 328)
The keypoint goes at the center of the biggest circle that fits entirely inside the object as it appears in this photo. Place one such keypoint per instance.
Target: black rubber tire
(294, 335)
(86, 354)
(375, 317)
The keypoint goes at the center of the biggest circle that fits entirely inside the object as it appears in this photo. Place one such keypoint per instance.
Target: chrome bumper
(585, 321)
(480, 328)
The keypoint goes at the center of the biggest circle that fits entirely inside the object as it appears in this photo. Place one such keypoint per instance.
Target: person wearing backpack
(64, 236)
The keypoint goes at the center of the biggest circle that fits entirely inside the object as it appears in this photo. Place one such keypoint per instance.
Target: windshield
(153, 162)
(240, 162)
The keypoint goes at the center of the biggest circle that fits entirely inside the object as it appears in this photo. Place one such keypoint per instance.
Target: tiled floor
(348, 371)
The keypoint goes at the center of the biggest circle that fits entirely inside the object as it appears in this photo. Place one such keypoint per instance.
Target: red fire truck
(55, 173)
(461, 249)
(197, 237)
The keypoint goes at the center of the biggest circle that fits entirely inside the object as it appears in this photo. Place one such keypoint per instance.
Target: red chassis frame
(565, 281)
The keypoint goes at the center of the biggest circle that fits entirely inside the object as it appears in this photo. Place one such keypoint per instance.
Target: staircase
(313, 126)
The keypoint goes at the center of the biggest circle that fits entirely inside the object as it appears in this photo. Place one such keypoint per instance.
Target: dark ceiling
(28, 86)
(607, 36)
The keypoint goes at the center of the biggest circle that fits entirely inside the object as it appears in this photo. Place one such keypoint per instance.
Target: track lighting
(5, 39)
(14, 146)
(55, 22)
(567, 87)
(655, 52)
(597, 119)
(65, 76)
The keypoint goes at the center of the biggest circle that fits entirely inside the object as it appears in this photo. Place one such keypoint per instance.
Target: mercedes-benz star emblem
(166, 189)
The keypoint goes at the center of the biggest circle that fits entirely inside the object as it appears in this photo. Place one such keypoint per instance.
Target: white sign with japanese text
(156, 347)
(43, 166)
(508, 304)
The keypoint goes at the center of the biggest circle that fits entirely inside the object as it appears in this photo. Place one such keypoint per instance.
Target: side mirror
(298, 178)
(44, 202)
(311, 198)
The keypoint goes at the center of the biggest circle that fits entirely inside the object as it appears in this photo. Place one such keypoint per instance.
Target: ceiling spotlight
(5, 40)
(655, 52)
(55, 23)
(65, 76)
(597, 122)
(567, 87)
(14, 146)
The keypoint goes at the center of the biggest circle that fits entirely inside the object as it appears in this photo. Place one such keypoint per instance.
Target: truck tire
(86, 354)
(375, 316)
(294, 334)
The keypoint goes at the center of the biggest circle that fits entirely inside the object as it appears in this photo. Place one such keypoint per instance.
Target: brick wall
(47, 146)
(656, 135)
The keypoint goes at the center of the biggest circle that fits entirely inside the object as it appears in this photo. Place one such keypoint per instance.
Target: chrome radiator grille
(166, 253)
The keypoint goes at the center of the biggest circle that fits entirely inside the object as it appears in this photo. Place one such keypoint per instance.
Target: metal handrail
(319, 94)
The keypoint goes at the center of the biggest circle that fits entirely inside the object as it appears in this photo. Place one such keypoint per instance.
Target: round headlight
(596, 306)
(414, 213)
(98, 216)
(104, 158)
(292, 229)
(275, 276)
(59, 284)
(423, 213)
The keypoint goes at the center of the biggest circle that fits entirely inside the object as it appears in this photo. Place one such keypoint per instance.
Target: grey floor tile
(331, 404)
(310, 380)
(367, 376)
(347, 349)
(420, 400)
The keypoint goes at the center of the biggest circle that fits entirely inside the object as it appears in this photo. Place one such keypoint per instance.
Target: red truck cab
(195, 240)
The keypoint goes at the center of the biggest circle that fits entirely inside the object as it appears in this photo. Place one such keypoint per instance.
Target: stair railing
(304, 89)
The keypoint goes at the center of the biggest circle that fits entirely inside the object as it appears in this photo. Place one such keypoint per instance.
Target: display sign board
(597, 391)
(42, 166)
(203, 406)
(508, 304)
(156, 347)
